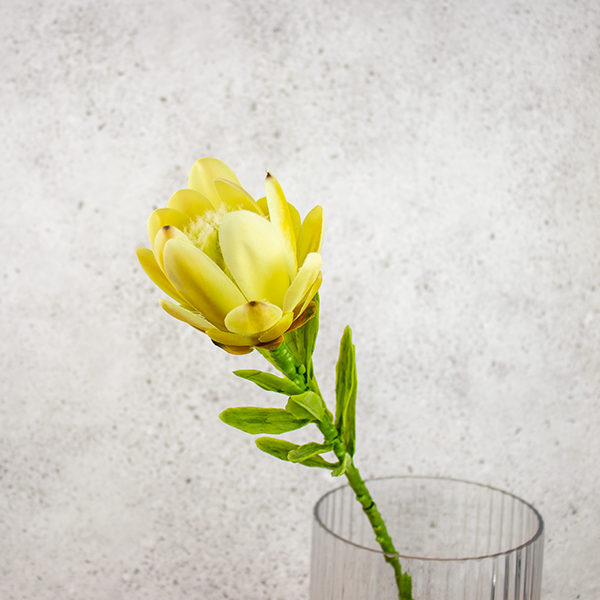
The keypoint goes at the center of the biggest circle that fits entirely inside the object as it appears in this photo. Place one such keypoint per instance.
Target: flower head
(242, 271)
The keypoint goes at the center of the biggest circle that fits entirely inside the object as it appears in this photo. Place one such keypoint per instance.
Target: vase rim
(539, 531)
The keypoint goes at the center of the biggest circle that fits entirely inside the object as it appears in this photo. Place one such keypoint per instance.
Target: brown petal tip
(272, 345)
(237, 350)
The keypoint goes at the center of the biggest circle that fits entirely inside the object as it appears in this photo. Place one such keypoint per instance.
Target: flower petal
(303, 282)
(262, 202)
(198, 279)
(204, 172)
(164, 234)
(304, 317)
(311, 234)
(278, 329)
(252, 318)
(166, 216)
(254, 254)
(238, 350)
(187, 316)
(230, 339)
(190, 203)
(236, 197)
(310, 295)
(279, 214)
(296, 221)
(151, 268)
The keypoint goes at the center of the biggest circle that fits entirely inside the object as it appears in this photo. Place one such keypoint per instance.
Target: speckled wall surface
(455, 148)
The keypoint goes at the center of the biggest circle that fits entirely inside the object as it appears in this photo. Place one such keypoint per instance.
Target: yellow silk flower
(242, 271)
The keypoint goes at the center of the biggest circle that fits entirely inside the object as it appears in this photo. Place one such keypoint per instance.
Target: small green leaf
(346, 386)
(298, 411)
(311, 449)
(269, 382)
(281, 449)
(276, 447)
(312, 403)
(262, 420)
(341, 468)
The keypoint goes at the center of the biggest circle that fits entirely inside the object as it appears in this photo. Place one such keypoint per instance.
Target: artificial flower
(242, 271)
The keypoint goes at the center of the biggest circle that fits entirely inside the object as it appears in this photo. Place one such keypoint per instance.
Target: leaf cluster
(305, 403)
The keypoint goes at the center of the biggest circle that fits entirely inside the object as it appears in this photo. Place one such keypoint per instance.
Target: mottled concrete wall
(455, 149)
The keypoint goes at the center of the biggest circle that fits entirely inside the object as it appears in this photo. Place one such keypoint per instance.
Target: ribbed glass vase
(457, 540)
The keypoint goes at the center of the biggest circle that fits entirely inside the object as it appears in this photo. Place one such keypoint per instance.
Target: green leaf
(298, 411)
(341, 468)
(262, 420)
(311, 449)
(311, 403)
(276, 447)
(269, 382)
(346, 387)
(281, 449)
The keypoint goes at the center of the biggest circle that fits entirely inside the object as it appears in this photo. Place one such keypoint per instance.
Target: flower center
(204, 232)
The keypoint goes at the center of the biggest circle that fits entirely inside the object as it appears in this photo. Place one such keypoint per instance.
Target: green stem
(285, 361)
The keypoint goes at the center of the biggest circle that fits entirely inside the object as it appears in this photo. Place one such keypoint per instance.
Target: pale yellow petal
(236, 197)
(190, 203)
(165, 216)
(252, 318)
(303, 282)
(278, 329)
(187, 316)
(164, 234)
(151, 268)
(231, 339)
(311, 234)
(204, 172)
(279, 214)
(200, 281)
(309, 296)
(254, 254)
(262, 202)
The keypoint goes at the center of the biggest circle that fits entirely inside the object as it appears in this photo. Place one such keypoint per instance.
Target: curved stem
(287, 364)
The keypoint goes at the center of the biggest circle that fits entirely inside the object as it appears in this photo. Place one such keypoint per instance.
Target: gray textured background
(455, 148)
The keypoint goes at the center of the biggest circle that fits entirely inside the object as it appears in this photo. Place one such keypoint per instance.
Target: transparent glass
(457, 540)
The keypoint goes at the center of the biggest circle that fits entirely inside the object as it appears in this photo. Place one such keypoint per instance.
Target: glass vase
(457, 540)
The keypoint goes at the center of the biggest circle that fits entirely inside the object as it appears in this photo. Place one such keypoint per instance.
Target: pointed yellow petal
(230, 339)
(190, 203)
(252, 318)
(236, 197)
(164, 234)
(279, 213)
(311, 234)
(278, 329)
(254, 254)
(151, 268)
(296, 221)
(303, 282)
(204, 172)
(200, 281)
(187, 316)
(165, 216)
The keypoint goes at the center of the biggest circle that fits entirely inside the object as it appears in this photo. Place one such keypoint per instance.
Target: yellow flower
(242, 271)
